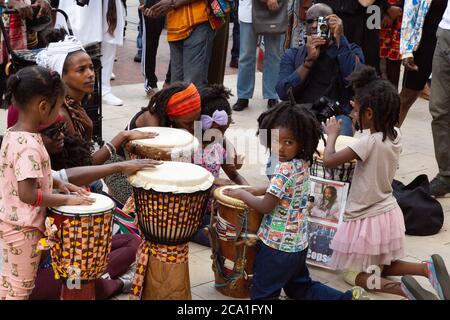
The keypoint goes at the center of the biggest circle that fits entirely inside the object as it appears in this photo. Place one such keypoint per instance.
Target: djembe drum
(233, 238)
(343, 173)
(170, 145)
(83, 244)
(170, 202)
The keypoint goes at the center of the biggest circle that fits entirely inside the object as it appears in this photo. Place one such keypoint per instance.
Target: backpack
(423, 214)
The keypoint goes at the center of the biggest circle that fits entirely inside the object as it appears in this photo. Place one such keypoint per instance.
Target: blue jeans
(247, 63)
(275, 270)
(139, 36)
(189, 58)
(347, 126)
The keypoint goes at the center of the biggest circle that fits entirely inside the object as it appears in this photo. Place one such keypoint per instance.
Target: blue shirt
(347, 56)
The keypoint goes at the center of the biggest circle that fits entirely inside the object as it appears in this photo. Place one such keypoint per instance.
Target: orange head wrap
(184, 102)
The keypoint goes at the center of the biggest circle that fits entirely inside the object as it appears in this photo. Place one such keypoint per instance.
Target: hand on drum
(234, 193)
(332, 126)
(132, 166)
(137, 135)
(66, 187)
(77, 200)
(219, 182)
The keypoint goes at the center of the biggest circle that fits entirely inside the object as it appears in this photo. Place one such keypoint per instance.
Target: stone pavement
(417, 158)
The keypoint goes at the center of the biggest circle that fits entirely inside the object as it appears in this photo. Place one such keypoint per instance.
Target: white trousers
(108, 56)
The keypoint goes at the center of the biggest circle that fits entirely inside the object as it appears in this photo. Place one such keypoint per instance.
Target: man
(321, 67)
(190, 37)
(247, 58)
(440, 107)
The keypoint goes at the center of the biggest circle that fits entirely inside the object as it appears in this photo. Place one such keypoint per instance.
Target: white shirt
(245, 11)
(445, 23)
(89, 22)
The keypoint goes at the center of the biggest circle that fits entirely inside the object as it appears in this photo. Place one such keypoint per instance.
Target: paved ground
(417, 158)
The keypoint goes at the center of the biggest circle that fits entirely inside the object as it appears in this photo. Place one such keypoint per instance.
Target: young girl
(281, 258)
(373, 232)
(26, 178)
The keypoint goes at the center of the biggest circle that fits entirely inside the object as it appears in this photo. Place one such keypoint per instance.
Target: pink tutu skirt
(373, 241)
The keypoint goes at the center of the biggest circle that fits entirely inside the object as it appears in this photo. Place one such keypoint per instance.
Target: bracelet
(39, 198)
(111, 148)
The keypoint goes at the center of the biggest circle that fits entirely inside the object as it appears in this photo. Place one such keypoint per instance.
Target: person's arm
(349, 56)
(233, 174)
(263, 205)
(82, 176)
(331, 158)
(103, 154)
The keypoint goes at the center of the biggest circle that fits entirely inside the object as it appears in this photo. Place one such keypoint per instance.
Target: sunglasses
(54, 131)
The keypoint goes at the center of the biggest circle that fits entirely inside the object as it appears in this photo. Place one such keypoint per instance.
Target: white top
(371, 190)
(245, 11)
(89, 22)
(445, 23)
(177, 142)
(175, 177)
(102, 203)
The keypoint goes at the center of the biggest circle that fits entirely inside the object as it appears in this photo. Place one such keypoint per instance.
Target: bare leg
(377, 284)
(407, 99)
(402, 268)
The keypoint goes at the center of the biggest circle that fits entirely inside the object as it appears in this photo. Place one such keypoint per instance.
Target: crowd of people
(49, 141)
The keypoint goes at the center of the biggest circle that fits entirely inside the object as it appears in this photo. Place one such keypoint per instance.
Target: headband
(184, 102)
(219, 117)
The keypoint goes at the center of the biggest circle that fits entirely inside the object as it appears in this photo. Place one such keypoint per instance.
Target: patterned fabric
(23, 156)
(211, 158)
(390, 38)
(72, 105)
(218, 11)
(167, 254)
(17, 31)
(414, 13)
(296, 27)
(118, 185)
(83, 246)
(285, 228)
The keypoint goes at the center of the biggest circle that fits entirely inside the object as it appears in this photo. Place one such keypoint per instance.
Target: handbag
(269, 22)
(423, 214)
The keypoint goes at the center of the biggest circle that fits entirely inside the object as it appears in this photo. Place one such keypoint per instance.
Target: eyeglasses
(54, 131)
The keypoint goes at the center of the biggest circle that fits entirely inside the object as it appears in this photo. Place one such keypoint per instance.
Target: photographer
(320, 68)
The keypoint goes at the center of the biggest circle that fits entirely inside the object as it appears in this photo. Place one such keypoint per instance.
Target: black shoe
(234, 63)
(240, 104)
(137, 58)
(415, 289)
(271, 103)
(439, 187)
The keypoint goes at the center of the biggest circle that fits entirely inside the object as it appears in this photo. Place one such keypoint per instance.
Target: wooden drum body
(233, 248)
(170, 145)
(343, 173)
(170, 202)
(84, 243)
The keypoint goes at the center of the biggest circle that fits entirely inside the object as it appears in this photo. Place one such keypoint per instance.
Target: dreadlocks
(379, 95)
(296, 118)
(215, 97)
(158, 103)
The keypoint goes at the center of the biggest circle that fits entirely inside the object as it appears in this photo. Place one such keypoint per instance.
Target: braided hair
(379, 95)
(298, 119)
(215, 98)
(31, 82)
(158, 103)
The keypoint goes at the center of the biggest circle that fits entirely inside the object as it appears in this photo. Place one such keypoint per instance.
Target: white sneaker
(113, 76)
(112, 100)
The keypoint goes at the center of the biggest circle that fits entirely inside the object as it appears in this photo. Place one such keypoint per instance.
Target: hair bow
(219, 117)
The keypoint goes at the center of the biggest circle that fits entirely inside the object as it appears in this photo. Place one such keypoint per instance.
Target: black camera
(325, 108)
(82, 3)
(323, 29)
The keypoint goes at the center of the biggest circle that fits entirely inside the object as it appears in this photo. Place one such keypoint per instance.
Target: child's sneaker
(414, 290)
(359, 293)
(438, 276)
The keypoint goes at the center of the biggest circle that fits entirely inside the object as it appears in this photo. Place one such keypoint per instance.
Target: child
(216, 118)
(373, 232)
(281, 258)
(26, 178)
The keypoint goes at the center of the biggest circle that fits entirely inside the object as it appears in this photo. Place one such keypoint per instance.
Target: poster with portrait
(326, 206)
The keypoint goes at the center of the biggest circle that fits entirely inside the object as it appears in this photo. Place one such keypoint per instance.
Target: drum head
(229, 201)
(168, 138)
(341, 143)
(102, 203)
(175, 177)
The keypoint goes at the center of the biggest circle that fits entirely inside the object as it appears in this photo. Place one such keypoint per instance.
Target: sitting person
(120, 269)
(321, 67)
(326, 206)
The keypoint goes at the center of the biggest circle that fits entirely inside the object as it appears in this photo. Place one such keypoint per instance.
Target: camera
(82, 3)
(323, 29)
(325, 108)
